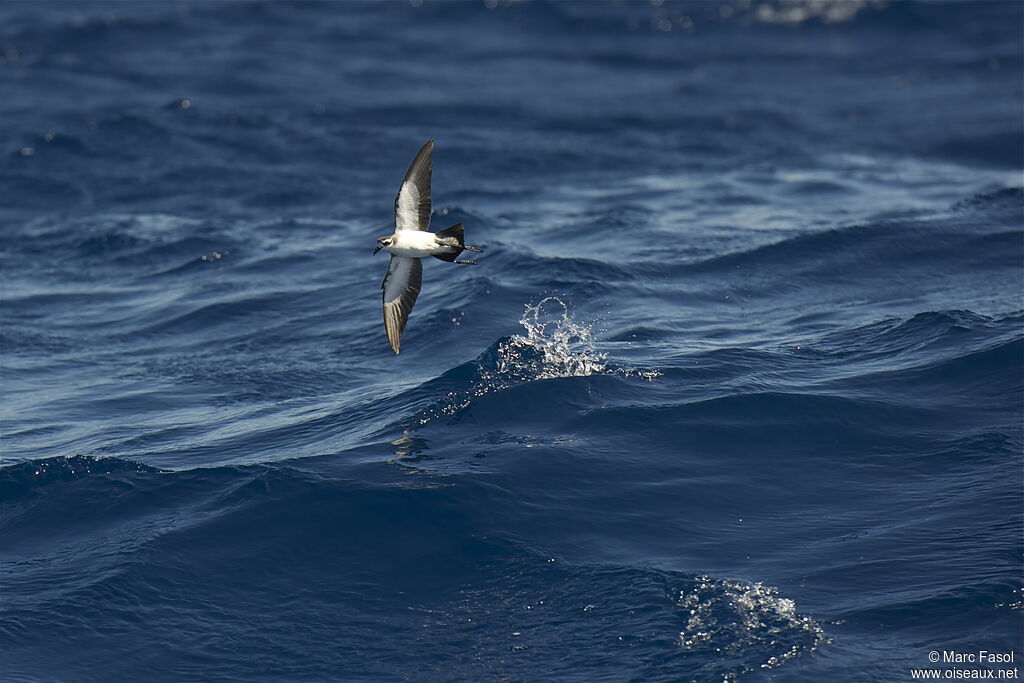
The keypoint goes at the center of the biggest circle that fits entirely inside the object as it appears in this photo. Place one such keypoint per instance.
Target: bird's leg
(468, 263)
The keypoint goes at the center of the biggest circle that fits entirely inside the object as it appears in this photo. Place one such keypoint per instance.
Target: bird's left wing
(400, 288)
(412, 205)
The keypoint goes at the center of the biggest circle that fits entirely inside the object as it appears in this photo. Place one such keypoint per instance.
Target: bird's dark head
(383, 242)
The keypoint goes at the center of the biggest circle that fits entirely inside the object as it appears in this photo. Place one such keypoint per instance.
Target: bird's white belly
(414, 244)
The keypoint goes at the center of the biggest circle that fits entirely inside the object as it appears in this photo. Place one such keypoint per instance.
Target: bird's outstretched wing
(412, 205)
(400, 288)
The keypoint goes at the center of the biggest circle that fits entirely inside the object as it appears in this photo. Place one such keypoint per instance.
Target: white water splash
(555, 345)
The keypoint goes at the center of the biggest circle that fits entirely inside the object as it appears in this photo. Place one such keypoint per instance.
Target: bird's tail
(453, 236)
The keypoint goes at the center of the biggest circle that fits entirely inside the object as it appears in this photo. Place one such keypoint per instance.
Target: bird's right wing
(412, 205)
(400, 288)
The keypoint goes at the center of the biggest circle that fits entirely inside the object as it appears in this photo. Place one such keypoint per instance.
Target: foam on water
(734, 617)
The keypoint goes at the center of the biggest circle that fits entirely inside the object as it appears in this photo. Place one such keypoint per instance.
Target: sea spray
(554, 345)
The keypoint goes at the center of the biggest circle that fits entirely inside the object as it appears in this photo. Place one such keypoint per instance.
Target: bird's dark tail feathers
(454, 236)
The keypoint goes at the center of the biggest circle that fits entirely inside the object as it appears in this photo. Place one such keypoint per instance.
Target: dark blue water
(735, 392)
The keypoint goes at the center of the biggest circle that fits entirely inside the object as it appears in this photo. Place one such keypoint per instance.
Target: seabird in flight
(411, 242)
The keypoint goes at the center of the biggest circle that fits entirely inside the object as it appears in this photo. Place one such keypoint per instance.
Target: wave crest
(555, 345)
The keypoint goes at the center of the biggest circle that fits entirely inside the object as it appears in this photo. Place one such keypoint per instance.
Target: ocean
(735, 392)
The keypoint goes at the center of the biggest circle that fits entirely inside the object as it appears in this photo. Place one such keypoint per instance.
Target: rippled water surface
(734, 393)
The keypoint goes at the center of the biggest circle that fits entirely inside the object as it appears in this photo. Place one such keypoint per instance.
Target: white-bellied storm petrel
(410, 243)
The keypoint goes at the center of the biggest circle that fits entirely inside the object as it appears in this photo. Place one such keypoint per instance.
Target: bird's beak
(376, 250)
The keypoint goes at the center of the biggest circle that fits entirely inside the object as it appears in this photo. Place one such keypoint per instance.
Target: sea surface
(735, 392)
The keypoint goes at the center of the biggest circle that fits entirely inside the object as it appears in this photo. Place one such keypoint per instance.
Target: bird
(411, 242)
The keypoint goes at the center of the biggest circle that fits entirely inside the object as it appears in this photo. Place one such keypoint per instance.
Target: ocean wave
(865, 246)
(494, 605)
(554, 345)
(941, 332)
(20, 478)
